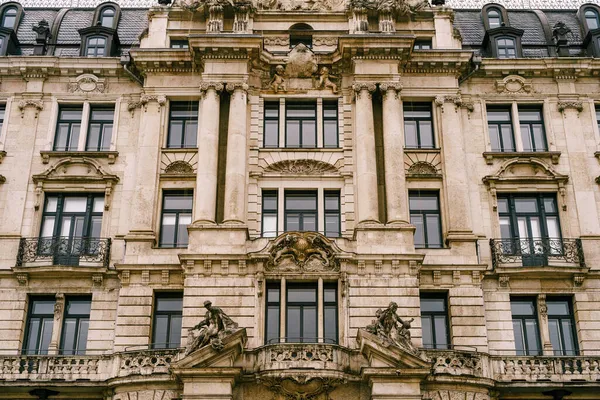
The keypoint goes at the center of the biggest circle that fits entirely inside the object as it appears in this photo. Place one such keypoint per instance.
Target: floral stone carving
(300, 386)
(179, 167)
(302, 251)
(301, 167)
(390, 328)
(87, 83)
(215, 326)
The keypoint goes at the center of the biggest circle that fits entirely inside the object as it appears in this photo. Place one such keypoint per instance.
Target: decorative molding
(578, 280)
(179, 167)
(454, 395)
(310, 387)
(541, 305)
(364, 88)
(22, 278)
(144, 100)
(301, 167)
(575, 105)
(87, 83)
(97, 280)
(145, 277)
(207, 85)
(514, 84)
(455, 99)
(59, 305)
(302, 252)
(278, 41)
(504, 281)
(240, 86)
(165, 277)
(437, 277)
(38, 105)
(391, 89)
(456, 277)
(125, 276)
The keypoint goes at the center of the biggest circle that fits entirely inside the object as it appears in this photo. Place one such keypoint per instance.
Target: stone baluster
(235, 175)
(393, 148)
(366, 166)
(387, 21)
(215, 18)
(360, 22)
(208, 137)
(241, 19)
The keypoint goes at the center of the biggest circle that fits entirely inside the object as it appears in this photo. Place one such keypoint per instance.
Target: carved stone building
(381, 199)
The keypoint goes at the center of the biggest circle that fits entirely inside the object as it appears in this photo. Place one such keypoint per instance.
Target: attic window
(591, 19)
(506, 47)
(96, 46)
(107, 17)
(301, 33)
(494, 18)
(9, 18)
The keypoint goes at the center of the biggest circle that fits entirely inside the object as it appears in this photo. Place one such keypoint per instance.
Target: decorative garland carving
(302, 251)
(454, 395)
(37, 104)
(422, 168)
(144, 100)
(301, 167)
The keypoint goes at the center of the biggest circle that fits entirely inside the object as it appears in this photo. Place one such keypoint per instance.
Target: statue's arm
(202, 323)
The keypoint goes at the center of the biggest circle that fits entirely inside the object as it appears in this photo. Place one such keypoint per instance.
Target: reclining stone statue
(391, 328)
(215, 326)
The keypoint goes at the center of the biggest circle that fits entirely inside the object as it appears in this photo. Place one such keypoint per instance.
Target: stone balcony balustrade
(546, 369)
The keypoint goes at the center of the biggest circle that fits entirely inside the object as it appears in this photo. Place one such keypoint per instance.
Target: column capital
(207, 85)
(233, 86)
(360, 86)
(455, 99)
(390, 88)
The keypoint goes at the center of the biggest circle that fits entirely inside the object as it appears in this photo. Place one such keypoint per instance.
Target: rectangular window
(271, 125)
(166, 328)
(532, 129)
(269, 213)
(301, 313)
(598, 116)
(272, 323)
(179, 44)
(434, 319)
(183, 125)
(176, 216)
(561, 325)
(332, 213)
(2, 114)
(418, 126)
(67, 128)
(525, 326)
(330, 124)
(40, 321)
(301, 211)
(423, 44)
(425, 215)
(330, 313)
(75, 327)
(507, 47)
(500, 128)
(301, 125)
(100, 129)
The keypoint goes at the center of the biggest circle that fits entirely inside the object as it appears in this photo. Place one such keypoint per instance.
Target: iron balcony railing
(536, 251)
(61, 250)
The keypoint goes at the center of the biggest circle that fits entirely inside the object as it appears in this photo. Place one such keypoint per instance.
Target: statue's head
(207, 304)
(279, 69)
(324, 70)
(393, 306)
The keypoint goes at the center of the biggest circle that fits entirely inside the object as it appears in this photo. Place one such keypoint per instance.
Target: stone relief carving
(390, 328)
(87, 83)
(325, 80)
(179, 167)
(301, 63)
(302, 251)
(301, 167)
(301, 5)
(154, 394)
(277, 41)
(38, 105)
(422, 168)
(161, 100)
(278, 81)
(454, 395)
(300, 352)
(575, 105)
(513, 84)
(457, 363)
(215, 326)
(300, 386)
(423, 165)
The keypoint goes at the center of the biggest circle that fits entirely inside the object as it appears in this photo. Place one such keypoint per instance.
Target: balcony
(551, 252)
(67, 251)
(546, 369)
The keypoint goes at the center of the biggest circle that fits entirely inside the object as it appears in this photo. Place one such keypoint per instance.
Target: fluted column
(208, 140)
(235, 174)
(393, 151)
(366, 166)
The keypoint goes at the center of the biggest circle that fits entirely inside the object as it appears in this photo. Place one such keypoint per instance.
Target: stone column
(235, 174)
(366, 167)
(393, 149)
(208, 137)
(59, 307)
(542, 310)
(456, 180)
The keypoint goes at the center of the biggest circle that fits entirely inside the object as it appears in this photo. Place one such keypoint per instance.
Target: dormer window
(494, 18)
(9, 18)
(96, 46)
(301, 33)
(506, 47)
(107, 17)
(591, 19)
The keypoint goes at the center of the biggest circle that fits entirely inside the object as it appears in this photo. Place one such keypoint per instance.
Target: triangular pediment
(207, 356)
(382, 354)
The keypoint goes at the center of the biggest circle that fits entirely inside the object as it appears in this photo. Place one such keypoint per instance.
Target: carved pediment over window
(301, 167)
(423, 164)
(303, 252)
(179, 167)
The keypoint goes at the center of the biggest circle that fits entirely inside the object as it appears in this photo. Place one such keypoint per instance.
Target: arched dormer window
(592, 20)
(494, 18)
(9, 17)
(301, 33)
(589, 19)
(107, 17)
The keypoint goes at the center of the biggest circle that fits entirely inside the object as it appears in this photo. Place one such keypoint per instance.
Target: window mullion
(319, 121)
(282, 124)
(83, 129)
(320, 311)
(518, 139)
(282, 311)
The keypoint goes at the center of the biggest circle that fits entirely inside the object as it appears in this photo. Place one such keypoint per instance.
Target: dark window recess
(99, 41)
(503, 41)
(40, 321)
(2, 115)
(506, 47)
(500, 129)
(525, 326)
(269, 213)
(100, 129)
(423, 44)
(301, 125)
(418, 125)
(180, 44)
(301, 313)
(68, 128)
(591, 19)
(166, 328)
(532, 129)
(330, 124)
(301, 211)
(76, 322)
(561, 325)
(494, 18)
(434, 319)
(332, 213)
(301, 33)
(183, 125)
(598, 116)
(425, 215)
(271, 125)
(330, 313)
(175, 218)
(107, 17)
(96, 46)
(272, 320)
(9, 17)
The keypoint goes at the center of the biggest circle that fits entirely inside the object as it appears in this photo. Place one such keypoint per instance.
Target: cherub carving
(325, 80)
(278, 81)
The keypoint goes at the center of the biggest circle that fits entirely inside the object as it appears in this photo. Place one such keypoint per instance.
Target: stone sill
(300, 149)
(179, 149)
(490, 155)
(110, 155)
(421, 150)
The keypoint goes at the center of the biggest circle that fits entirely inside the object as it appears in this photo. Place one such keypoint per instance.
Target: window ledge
(301, 149)
(110, 155)
(422, 150)
(179, 149)
(490, 155)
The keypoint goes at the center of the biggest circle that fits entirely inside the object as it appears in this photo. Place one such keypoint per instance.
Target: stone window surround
(489, 154)
(166, 116)
(503, 14)
(431, 186)
(85, 118)
(7, 116)
(320, 307)
(319, 101)
(170, 185)
(319, 185)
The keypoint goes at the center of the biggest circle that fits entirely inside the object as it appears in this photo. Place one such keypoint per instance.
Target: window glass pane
(330, 324)
(47, 326)
(62, 135)
(525, 307)
(168, 229)
(271, 133)
(423, 202)
(75, 204)
(426, 134)
(433, 305)
(332, 202)
(527, 138)
(51, 203)
(292, 222)
(300, 202)
(169, 304)
(507, 138)
(269, 225)
(191, 133)
(553, 328)
(417, 220)
(272, 110)
(293, 323)
(427, 323)
(74, 115)
(495, 138)
(175, 134)
(160, 330)
(556, 307)
(302, 294)
(309, 222)
(309, 323)
(175, 334)
(273, 295)
(103, 114)
(552, 226)
(532, 336)
(441, 338)
(32, 335)
(292, 134)
(329, 295)
(269, 201)
(47, 227)
(178, 202)
(434, 238)
(549, 205)
(330, 110)
(330, 138)
(296, 111)
(502, 205)
(332, 225)
(79, 307)
(272, 323)
(568, 338)
(530, 115)
(68, 334)
(498, 115)
(309, 134)
(505, 231)
(96, 227)
(43, 307)
(526, 205)
(538, 137)
(93, 136)
(410, 133)
(519, 337)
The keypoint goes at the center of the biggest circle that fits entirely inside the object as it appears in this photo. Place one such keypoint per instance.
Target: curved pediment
(302, 252)
(525, 170)
(301, 167)
(80, 169)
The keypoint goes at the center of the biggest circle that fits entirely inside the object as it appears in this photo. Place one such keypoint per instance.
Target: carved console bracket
(144, 100)
(455, 99)
(575, 105)
(38, 105)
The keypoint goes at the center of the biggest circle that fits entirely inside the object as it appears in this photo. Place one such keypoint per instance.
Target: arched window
(96, 46)
(301, 33)
(9, 17)
(107, 17)
(591, 19)
(507, 47)
(494, 18)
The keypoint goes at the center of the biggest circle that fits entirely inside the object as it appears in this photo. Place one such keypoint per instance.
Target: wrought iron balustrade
(62, 250)
(536, 251)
